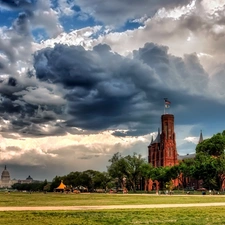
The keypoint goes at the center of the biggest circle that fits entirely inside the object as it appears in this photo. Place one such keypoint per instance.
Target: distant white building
(27, 181)
(5, 181)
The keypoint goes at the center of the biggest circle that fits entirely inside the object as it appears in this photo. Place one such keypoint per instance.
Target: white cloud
(65, 7)
(212, 6)
(192, 139)
(47, 18)
(82, 37)
(80, 152)
(196, 29)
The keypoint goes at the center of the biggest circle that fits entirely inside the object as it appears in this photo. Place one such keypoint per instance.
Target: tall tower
(168, 141)
(162, 151)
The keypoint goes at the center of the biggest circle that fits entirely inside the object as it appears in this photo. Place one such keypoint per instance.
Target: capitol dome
(5, 175)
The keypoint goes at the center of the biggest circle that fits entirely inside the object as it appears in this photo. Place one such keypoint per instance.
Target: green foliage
(146, 170)
(220, 165)
(132, 169)
(183, 170)
(205, 169)
(116, 168)
(47, 187)
(128, 167)
(209, 165)
(36, 186)
(55, 183)
(90, 179)
(213, 146)
(162, 175)
(102, 180)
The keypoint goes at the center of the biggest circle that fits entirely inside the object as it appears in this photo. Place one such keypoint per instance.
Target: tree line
(133, 171)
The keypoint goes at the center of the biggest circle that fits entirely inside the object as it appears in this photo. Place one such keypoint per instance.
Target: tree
(132, 169)
(210, 161)
(205, 169)
(47, 187)
(35, 186)
(213, 146)
(102, 179)
(146, 172)
(182, 171)
(220, 166)
(116, 169)
(162, 175)
(90, 176)
(73, 178)
(128, 167)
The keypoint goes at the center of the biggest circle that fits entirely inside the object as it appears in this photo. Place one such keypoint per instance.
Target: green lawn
(176, 216)
(58, 199)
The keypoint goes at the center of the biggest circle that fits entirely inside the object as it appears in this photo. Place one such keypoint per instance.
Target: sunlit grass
(175, 216)
(58, 199)
(167, 216)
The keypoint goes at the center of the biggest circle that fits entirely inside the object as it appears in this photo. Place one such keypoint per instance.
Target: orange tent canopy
(62, 186)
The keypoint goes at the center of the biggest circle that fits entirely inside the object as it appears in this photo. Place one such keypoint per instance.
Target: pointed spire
(151, 141)
(200, 138)
(157, 140)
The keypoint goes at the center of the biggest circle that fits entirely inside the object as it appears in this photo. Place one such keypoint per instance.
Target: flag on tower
(167, 103)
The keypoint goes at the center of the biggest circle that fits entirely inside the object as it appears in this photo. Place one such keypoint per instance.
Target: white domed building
(5, 181)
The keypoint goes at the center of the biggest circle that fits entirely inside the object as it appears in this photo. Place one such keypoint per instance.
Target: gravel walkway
(48, 208)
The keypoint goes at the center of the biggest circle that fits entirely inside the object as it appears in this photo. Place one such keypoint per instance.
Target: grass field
(177, 216)
(58, 199)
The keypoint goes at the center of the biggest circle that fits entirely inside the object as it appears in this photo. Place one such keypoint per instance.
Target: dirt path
(48, 208)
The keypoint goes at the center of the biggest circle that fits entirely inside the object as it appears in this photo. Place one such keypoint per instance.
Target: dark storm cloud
(2, 66)
(8, 106)
(17, 4)
(118, 12)
(40, 130)
(24, 117)
(105, 90)
(9, 100)
(101, 88)
(66, 65)
(21, 95)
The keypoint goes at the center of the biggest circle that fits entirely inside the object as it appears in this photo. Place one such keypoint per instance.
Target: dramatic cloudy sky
(83, 79)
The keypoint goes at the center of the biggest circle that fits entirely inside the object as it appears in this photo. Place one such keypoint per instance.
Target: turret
(200, 138)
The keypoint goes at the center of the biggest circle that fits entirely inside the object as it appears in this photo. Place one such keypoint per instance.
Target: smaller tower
(153, 150)
(200, 138)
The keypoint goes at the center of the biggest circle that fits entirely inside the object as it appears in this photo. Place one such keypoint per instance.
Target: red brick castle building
(162, 151)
